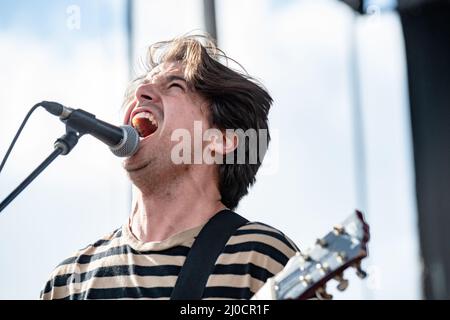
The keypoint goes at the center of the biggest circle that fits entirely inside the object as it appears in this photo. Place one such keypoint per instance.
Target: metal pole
(130, 36)
(130, 53)
(358, 131)
(209, 12)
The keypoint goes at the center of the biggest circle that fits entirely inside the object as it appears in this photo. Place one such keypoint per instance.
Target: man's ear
(226, 143)
(222, 142)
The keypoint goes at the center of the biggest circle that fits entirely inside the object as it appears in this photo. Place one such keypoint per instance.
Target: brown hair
(237, 101)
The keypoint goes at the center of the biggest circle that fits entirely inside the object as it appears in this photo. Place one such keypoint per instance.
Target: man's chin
(130, 166)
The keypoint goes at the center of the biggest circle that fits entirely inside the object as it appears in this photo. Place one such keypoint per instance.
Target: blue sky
(42, 59)
(47, 19)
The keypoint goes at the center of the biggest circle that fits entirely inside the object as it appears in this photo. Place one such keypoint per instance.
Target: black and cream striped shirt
(119, 266)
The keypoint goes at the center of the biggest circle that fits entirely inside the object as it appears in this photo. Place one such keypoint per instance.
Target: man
(186, 86)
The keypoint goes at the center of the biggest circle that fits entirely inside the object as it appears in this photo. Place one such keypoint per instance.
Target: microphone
(123, 141)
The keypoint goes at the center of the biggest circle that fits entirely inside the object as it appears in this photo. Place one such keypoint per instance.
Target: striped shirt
(119, 266)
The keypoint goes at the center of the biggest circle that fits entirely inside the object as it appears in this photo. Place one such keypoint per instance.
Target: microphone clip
(68, 141)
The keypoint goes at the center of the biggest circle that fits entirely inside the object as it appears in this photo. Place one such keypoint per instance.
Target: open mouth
(145, 123)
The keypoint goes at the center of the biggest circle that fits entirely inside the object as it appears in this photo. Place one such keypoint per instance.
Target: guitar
(306, 274)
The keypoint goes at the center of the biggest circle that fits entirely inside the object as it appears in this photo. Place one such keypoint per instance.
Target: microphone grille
(129, 144)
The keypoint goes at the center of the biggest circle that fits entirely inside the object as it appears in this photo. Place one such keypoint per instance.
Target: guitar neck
(305, 275)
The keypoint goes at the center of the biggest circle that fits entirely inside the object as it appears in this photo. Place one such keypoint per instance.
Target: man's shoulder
(264, 233)
(89, 252)
(261, 242)
(254, 253)
(75, 264)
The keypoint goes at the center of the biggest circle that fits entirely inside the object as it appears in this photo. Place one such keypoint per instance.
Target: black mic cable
(123, 141)
(11, 146)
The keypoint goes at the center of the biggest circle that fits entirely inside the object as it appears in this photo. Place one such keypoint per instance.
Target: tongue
(143, 125)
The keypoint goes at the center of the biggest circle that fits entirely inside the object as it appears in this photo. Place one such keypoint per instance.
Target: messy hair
(235, 99)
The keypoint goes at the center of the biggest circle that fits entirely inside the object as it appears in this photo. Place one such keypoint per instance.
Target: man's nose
(147, 92)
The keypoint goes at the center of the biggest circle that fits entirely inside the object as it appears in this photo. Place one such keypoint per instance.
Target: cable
(17, 135)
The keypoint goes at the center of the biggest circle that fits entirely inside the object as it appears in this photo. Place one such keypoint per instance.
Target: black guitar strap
(203, 254)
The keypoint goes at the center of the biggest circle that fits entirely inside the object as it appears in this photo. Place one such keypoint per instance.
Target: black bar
(427, 32)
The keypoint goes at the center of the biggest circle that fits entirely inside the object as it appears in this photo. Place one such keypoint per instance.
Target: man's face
(164, 96)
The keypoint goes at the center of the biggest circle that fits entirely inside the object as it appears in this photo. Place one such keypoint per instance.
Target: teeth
(147, 115)
(145, 123)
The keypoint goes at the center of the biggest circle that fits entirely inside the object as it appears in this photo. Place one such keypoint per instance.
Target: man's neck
(157, 217)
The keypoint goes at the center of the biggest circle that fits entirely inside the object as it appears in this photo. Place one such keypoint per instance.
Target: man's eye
(176, 85)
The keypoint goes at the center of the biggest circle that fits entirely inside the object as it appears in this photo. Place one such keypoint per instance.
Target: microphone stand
(63, 146)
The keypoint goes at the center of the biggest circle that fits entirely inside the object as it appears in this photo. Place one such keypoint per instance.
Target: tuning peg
(322, 294)
(322, 267)
(321, 242)
(343, 283)
(302, 258)
(359, 271)
(305, 280)
(338, 229)
(306, 257)
(341, 257)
